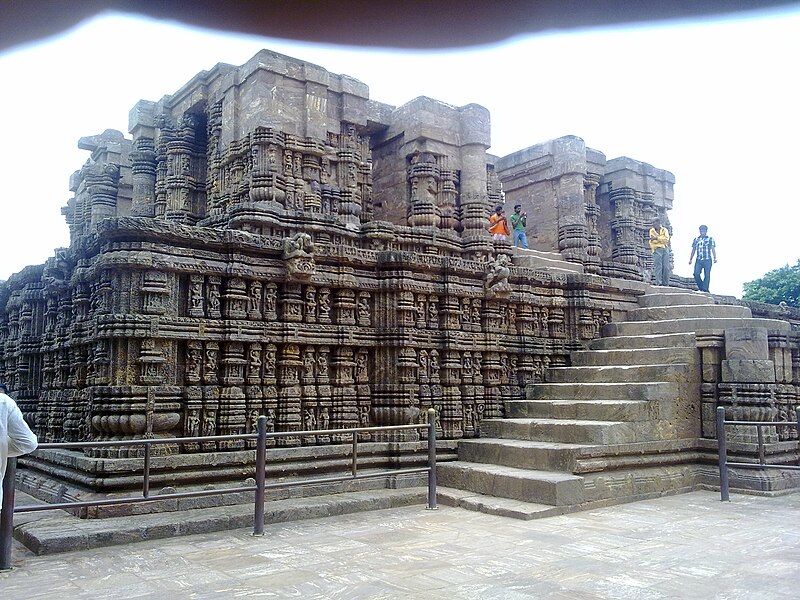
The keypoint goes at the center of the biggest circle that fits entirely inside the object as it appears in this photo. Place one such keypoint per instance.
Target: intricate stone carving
(298, 252)
(495, 280)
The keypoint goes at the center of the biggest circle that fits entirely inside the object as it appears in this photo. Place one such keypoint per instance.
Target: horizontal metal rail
(722, 447)
(260, 487)
(214, 492)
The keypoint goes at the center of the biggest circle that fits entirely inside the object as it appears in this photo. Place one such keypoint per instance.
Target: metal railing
(722, 446)
(260, 487)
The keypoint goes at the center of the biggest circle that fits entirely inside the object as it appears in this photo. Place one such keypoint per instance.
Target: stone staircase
(618, 425)
(538, 259)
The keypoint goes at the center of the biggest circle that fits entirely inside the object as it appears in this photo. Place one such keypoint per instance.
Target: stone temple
(272, 241)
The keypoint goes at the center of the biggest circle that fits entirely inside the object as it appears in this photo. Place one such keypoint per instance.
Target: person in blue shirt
(706, 250)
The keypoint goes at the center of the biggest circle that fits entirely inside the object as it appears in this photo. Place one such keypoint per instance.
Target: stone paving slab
(689, 546)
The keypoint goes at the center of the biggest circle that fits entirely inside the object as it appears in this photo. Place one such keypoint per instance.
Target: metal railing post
(431, 459)
(7, 516)
(261, 475)
(354, 465)
(723, 455)
(146, 483)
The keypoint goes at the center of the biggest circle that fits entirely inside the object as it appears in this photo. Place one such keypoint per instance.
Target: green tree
(780, 285)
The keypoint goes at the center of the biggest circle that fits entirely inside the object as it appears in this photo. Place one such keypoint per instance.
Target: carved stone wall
(273, 242)
(754, 374)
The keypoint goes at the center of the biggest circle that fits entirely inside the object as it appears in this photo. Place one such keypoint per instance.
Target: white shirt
(16, 438)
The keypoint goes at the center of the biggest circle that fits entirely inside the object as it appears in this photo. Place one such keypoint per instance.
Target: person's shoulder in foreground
(18, 436)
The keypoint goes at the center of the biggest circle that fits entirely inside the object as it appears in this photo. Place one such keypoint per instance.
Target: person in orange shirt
(498, 226)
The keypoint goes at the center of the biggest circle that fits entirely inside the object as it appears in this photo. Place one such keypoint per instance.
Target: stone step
(537, 259)
(492, 505)
(617, 374)
(666, 290)
(569, 431)
(526, 485)
(631, 342)
(525, 454)
(601, 391)
(57, 531)
(633, 356)
(640, 483)
(689, 311)
(688, 325)
(680, 297)
(593, 410)
(543, 254)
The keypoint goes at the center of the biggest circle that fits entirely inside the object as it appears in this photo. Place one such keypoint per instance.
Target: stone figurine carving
(298, 252)
(495, 280)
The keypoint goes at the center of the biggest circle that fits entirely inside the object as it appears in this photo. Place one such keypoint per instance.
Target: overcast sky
(715, 102)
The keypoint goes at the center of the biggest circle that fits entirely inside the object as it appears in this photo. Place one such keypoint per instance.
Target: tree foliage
(780, 285)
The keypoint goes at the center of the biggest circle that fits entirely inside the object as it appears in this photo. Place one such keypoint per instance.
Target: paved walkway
(690, 546)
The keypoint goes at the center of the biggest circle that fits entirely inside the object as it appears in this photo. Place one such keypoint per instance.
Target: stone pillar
(349, 157)
(324, 393)
(235, 299)
(184, 175)
(102, 183)
(363, 391)
(344, 412)
(452, 417)
(423, 177)
(143, 168)
(623, 226)
(448, 192)
(141, 124)
(592, 211)
(468, 400)
(210, 394)
(267, 180)
(270, 389)
(232, 409)
(569, 170)
(253, 392)
(474, 194)
(309, 408)
(192, 418)
(288, 416)
(344, 306)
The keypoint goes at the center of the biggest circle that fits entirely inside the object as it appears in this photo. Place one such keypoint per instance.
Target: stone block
(746, 343)
(160, 531)
(56, 539)
(748, 371)
(114, 537)
(142, 115)
(206, 524)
